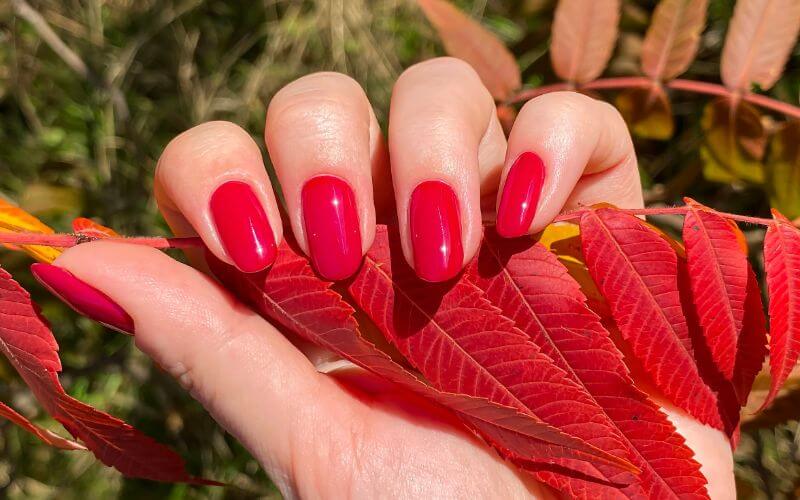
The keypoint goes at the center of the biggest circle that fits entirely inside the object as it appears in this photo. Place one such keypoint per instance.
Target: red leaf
(636, 270)
(718, 276)
(584, 33)
(29, 345)
(535, 290)
(465, 39)
(45, 435)
(782, 262)
(461, 343)
(752, 346)
(91, 228)
(290, 294)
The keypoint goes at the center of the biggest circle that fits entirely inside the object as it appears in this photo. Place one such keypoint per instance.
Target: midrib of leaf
(743, 82)
(638, 278)
(625, 439)
(583, 36)
(400, 290)
(671, 34)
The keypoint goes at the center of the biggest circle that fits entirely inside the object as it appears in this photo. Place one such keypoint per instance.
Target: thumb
(251, 379)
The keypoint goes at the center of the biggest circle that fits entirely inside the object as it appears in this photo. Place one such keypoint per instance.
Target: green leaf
(647, 111)
(783, 170)
(734, 142)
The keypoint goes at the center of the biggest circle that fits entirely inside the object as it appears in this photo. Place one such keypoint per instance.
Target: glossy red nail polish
(435, 227)
(330, 216)
(82, 297)
(520, 195)
(243, 226)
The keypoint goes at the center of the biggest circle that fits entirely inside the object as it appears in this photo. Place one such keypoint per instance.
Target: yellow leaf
(734, 142)
(783, 170)
(647, 112)
(15, 220)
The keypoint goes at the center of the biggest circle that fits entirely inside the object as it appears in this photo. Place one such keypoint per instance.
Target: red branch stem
(696, 87)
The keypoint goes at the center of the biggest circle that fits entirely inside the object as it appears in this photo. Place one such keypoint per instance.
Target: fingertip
(519, 196)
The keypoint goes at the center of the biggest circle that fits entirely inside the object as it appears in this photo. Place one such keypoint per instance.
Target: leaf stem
(71, 240)
(693, 86)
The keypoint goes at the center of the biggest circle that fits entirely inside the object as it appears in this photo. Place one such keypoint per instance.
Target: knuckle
(205, 144)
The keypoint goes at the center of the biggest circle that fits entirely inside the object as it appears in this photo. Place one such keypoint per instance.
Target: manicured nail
(82, 297)
(330, 216)
(243, 226)
(520, 195)
(435, 226)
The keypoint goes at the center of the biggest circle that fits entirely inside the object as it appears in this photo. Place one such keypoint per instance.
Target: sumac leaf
(734, 142)
(583, 38)
(44, 435)
(637, 272)
(647, 111)
(88, 227)
(782, 263)
(15, 220)
(751, 349)
(29, 345)
(670, 44)
(783, 169)
(534, 289)
(760, 37)
(290, 294)
(718, 274)
(466, 39)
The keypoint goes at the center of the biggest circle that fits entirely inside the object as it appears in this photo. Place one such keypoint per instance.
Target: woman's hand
(351, 435)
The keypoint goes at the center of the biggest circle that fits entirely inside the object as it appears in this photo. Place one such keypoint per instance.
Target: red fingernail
(520, 195)
(435, 227)
(83, 298)
(243, 226)
(330, 216)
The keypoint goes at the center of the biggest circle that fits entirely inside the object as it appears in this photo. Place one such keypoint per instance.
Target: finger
(325, 143)
(251, 379)
(211, 181)
(565, 150)
(444, 139)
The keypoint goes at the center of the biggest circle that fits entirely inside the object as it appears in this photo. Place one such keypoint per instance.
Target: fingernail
(330, 216)
(243, 226)
(435, 226)
(82, 297)
(520, 195)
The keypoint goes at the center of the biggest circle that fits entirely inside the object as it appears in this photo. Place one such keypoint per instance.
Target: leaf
(292, 296)
(533, 288)
(583, 38)
(782, 263)
(29, 345)
(91, 228)
(734, 142)
(783, 169)
(636, 270)
(466, 39)
(760, 37)
(751, 349)
(462, 344)
(44, 435)
(671, 42)
(647, 111)
(717, 260)
(15, 220)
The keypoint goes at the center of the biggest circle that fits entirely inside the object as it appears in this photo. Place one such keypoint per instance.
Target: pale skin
(344, 433)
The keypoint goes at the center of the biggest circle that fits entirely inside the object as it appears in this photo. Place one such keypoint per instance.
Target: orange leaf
(584, 34)
(672, 38)
(91, 228)
(15, 220)
(466, 39)
(760, 37)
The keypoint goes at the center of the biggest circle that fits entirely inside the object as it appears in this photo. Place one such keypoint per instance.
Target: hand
(350, 435)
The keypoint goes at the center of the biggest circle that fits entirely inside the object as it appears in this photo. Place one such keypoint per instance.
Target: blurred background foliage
(92, 90)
